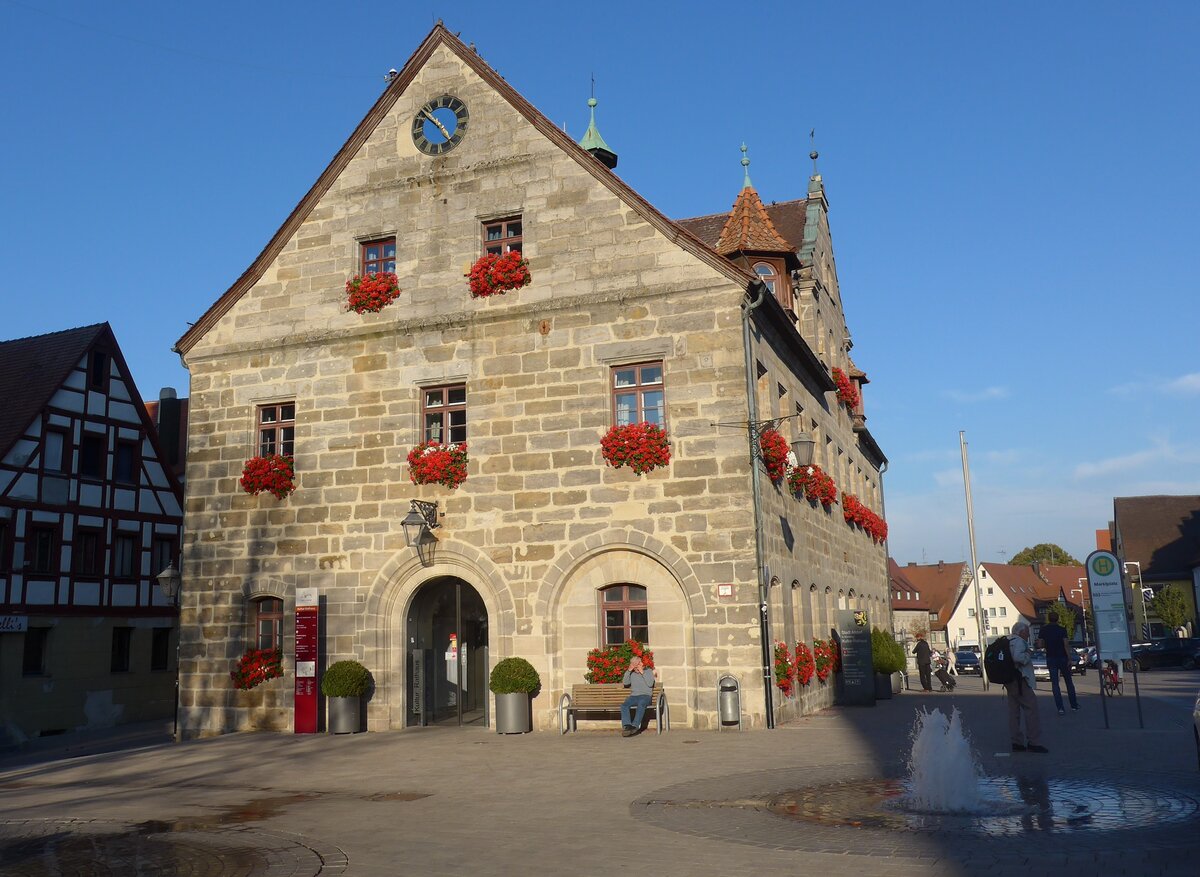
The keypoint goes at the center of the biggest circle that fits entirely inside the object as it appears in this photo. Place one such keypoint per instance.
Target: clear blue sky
(1013, 191)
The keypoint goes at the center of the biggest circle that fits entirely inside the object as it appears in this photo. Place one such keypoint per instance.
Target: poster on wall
(858, 671)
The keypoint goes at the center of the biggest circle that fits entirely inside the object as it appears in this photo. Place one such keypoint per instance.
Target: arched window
(268, 623)
(623, 615)
(767, 274)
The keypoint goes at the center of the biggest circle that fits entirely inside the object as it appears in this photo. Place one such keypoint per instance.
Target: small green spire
(593, 142)
(746, 184)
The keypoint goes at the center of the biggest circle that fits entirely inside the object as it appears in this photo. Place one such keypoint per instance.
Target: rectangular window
(121, 639)
(502, 235)
(989, 592)
(4, 555)
(125, 463)
(962, 631)
(1003, 610)
(970, 613)
(92, 451)
(89, 552)
(637, 394)
(39, 549)
(1006, 631)
(277, 429)
(125, 557)
(379, 257)
(991, 611)
(268, 623)
(162, 554)
(98, 370)
(623, 614)
(160, 648)
(55, 451)
(444, 414)
(33, 662)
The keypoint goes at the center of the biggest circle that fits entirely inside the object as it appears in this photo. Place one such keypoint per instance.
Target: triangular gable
(32, 369)
(439, 36)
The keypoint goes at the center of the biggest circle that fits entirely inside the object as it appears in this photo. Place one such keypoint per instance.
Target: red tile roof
(1021, 584)
(938, 585)
(1162, 533)
(787, 217)
(31, 369)
(1066, 579)
(749, 228)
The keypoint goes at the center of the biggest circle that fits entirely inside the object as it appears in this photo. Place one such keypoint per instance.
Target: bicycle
(1112, 679)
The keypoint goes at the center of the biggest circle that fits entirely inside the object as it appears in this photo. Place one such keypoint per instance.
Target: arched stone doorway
(446, 655)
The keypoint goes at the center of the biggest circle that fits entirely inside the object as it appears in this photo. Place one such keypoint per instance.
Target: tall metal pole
(962, 443)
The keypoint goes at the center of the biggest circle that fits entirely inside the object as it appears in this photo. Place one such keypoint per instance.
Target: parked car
(1040, 670)
(966, 662)
(1166, 653)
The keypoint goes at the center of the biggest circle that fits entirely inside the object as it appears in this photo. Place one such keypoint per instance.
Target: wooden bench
(607, 698)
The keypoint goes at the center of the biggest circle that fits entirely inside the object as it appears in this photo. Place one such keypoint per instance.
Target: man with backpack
(1021, 699)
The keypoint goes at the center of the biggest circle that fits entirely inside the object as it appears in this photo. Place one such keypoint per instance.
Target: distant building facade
(1157, 538)
(89, 514)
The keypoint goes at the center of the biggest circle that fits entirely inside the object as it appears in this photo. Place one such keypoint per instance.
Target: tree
(918, 629)
(1066, 617)
(1043, 552)
(1171, 606)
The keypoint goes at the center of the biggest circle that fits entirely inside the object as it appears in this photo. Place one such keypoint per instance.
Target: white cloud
(1184, 385)
(1112, 465)
(984, 395)
(1162, 457)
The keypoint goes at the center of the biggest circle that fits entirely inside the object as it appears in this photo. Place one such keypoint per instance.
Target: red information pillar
(307, 643)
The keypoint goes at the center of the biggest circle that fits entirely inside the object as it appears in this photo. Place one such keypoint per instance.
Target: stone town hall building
(544, 552)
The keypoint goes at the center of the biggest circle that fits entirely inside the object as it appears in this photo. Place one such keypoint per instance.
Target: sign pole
(308, 614)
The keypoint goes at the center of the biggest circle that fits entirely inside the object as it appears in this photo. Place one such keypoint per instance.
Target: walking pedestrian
(1022, 703)
(924, 662)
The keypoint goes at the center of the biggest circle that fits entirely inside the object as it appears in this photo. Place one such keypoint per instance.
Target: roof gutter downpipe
(760, 565)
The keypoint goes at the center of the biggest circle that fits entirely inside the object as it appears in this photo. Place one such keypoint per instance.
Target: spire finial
(814, 155)
(592, 141)
(746, 184)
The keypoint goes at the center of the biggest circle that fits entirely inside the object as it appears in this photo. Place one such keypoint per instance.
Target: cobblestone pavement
(428, 801)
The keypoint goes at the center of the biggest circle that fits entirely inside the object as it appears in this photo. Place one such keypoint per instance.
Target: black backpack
(998, 662)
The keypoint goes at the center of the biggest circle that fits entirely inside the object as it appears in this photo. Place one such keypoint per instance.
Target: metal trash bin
(729, 702)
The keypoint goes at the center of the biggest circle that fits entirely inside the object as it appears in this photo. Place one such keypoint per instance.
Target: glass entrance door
(446, 660)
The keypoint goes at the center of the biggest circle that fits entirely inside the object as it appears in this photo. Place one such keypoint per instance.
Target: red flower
(847, 391)
(256, 667)
(785, 670)
(436, 463)
(822, 658)
(495, 273)
(371, 293)
(805, 668)
(640, 446)
(814, 484)
(774, 448)
(610, 664)
(858, 514)
(273, 473)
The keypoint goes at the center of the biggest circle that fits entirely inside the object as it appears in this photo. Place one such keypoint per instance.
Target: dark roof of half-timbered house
(31, 369)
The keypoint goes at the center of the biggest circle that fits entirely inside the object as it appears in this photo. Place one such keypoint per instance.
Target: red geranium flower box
(497, 273)
(814, 484)
(436, 463)
(274, 474)
(640, 446)
(371, 293)
(610, 664)
(805, 668)
(785, 670)
(256, 667)
(774, 448)
(847, 392)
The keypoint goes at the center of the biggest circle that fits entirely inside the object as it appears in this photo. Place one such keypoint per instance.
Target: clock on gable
(440, 125)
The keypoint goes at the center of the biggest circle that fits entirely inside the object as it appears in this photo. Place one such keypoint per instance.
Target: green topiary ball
(514, 676)
(345, 679)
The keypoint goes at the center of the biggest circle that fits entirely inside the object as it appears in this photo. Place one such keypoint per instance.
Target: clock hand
(432, 118)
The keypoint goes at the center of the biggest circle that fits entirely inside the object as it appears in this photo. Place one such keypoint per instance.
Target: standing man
(1053, 638)
(640, 682)
(924, 661)
(1021, 699)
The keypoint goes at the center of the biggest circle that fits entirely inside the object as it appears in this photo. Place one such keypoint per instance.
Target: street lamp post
(170, 581)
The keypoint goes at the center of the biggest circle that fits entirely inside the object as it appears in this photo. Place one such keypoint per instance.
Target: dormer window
(771, 274)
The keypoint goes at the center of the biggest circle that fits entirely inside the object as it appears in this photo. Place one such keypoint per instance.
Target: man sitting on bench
(640, 682)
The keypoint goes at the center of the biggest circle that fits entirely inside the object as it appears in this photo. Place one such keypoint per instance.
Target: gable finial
(746, 184)
(814, 155)
(592, 141)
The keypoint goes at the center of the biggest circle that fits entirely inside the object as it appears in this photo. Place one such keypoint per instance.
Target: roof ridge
(96, 326)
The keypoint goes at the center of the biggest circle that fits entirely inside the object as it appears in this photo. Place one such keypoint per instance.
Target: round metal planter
(513, 714)
(345, 715)
(883, 686)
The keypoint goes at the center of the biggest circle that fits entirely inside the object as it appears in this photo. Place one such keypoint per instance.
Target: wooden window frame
(31, 546)
(783, 287)
(81, 563)
(626, 606)
(162, 547)
(97, 370)
(384, 264)
(439, 418)
(135, 557)
(275, 433)
(39, 636)
(135, 462)
(638, 389)
(160, 648)
(87, 442)
(505, 240)
(121, 660)
(269, 610)
(64, 462)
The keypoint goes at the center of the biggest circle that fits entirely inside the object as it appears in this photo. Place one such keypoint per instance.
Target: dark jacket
(923, 652)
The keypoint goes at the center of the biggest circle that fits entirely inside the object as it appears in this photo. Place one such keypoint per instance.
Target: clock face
(440, 125)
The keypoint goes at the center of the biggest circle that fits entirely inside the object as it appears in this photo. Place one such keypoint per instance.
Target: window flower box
(436, 463)
(274, 474)
(813, 484)
(785, 670)
(609, 664)
(822, 659)
(640, 446)
(774, 449)
(371, 293)
(256, 667)
(803, 662)
(857, 514)
(847, 392)
(497, 273)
